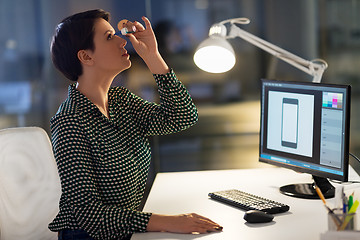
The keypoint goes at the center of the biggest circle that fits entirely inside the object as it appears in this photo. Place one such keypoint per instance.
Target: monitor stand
(307, 190)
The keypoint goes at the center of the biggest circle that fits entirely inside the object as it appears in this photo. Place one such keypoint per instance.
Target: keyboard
(247, 201)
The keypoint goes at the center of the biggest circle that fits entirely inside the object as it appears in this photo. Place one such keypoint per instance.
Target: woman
(99, 133)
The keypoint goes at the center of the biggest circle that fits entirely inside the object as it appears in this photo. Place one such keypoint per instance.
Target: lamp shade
(215, 55)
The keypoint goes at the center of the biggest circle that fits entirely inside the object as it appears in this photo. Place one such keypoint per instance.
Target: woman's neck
(96, 90)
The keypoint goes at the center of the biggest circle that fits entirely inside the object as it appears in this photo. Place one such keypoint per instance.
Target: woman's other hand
(184, 223)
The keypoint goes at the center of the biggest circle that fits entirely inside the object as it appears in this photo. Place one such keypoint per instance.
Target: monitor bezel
(313, 172)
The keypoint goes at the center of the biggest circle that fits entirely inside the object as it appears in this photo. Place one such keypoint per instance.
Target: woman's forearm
(156, 64)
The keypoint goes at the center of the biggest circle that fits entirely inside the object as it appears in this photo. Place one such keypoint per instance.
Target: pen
(349, 216)
(336, 220)
(317, 189)
(344, 201)
(351, 201)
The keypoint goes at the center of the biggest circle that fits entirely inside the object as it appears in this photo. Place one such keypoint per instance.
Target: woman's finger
(147, 22)
(204, 219)
(208, 222)
(139, 26)
(132, 38)
(205, 229)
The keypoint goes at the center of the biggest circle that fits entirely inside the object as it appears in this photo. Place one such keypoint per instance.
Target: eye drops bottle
(126, 27)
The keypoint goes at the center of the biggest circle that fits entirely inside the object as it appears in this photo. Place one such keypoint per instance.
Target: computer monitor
(305, 127)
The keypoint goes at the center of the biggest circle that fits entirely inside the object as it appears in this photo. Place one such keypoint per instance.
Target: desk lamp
(216, 55)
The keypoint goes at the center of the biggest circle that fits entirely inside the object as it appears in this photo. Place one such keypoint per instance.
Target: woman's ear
(84, 57)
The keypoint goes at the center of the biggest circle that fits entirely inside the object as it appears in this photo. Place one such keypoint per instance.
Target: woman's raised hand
(143, 40)
(145, 44)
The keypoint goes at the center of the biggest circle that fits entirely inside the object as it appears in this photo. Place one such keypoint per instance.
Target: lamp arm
(314, 68)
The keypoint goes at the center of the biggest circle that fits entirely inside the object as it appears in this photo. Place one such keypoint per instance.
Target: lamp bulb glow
(215, 55)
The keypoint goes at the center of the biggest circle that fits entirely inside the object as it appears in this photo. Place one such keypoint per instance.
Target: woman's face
(110, 54)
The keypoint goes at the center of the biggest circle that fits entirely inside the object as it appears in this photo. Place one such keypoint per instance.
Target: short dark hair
(72, 34)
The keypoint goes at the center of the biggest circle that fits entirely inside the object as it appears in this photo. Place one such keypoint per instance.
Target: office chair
(29, 184)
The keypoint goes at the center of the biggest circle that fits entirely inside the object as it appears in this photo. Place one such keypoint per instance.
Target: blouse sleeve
(175, 112)
(73, 156)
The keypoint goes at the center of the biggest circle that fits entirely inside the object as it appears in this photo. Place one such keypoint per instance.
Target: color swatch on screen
(332, 100)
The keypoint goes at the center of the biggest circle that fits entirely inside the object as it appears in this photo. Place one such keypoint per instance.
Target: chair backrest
(29, 184)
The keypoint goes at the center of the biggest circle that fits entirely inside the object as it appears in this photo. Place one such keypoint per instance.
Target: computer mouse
(256, 216)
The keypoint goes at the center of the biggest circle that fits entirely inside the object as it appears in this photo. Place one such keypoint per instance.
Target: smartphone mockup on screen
(289, 125)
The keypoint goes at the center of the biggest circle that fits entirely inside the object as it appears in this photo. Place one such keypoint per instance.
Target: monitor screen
(305, 127)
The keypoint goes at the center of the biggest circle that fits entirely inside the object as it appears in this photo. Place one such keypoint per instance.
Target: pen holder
(339, 221)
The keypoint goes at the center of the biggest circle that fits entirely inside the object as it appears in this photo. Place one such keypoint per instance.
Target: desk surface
(186, 192)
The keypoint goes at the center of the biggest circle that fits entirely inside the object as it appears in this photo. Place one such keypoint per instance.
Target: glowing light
(215, 55)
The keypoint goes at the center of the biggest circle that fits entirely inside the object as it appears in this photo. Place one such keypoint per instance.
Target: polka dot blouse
(103, 162)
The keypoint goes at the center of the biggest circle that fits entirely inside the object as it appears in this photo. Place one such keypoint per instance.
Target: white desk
(186, 192)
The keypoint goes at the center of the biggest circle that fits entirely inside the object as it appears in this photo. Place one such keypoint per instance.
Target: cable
(348, 182)
(354, 157)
